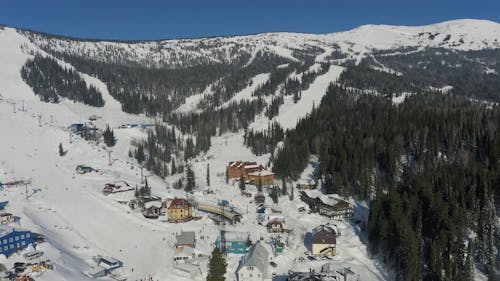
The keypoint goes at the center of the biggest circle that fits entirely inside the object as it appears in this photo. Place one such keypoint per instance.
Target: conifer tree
(242, 183)
(173, 169)
(61, 150)
(208, 174)
(217, 266)
(109, 137)
(139, 154)
(190, 182)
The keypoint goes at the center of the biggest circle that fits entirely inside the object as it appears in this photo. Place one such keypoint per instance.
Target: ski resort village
(116, 166)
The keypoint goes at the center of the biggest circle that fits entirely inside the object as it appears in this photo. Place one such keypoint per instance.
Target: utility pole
(109, 157)
(142, 178)
(51, 119)
(14, 104)
(40, 120)
(26, 191)
(22, 108)
(70, 141)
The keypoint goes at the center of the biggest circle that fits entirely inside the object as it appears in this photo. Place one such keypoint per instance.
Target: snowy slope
(467, 34)
(81, 222)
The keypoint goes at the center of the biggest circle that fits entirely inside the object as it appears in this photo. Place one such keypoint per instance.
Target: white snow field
(80, 222)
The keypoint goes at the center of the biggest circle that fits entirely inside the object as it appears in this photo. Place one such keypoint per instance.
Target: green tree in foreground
(217, 266)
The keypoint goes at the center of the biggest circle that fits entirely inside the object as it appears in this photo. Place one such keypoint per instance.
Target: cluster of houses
(251, 172)
(257, 259)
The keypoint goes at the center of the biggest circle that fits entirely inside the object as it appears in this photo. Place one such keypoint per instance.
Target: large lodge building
(251, 171)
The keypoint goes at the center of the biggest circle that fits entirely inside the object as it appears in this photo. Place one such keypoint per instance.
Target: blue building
(76, 128)
(13, 239)
(236, 242)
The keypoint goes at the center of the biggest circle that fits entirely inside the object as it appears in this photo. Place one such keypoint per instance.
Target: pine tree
(274, 194)
(242, 183)
(173, 169)
(61, 150)
(190, 183)
(139, 154)
(109, 137)
(208, 174)
(283, 187)
(217, 266)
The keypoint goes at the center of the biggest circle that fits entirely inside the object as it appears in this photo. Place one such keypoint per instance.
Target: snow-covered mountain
(227, 72)
(456, 34)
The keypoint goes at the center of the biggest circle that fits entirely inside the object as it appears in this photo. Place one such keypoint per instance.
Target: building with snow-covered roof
(179, 210)
(235, 242)
(254, 265)
(327, 205)
(306, 184)
(13, 239)
(186, 238)
(324, 240)
(6, 218)
(263, 176)
(276, 225)
(183, 254)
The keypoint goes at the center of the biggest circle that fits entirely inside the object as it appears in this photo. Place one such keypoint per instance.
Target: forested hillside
(52, 82)
(429, 166)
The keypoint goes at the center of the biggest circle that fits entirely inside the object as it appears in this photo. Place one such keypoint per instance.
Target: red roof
(179, 201)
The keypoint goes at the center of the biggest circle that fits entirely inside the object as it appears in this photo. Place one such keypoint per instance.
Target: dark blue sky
(149, 19)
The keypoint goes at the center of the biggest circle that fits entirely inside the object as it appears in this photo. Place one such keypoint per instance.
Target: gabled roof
(324, 234)
(258, 257)
(330, 200)
(183, 202)
(186, 238)
(235, 236)
(261, 173)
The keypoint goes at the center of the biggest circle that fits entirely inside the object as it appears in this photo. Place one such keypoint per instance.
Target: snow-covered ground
(81, 222)
(290, 112)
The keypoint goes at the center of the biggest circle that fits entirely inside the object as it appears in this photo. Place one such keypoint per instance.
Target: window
(27, 235)
(22, 236)
(250, 267)
(12, 246)
(5, 248)
(17, 238)
(18, 245)
(5, 241)
(11, 240)
(23, 243)
(251, 275)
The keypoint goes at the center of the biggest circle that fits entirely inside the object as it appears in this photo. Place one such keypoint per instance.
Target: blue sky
(149, 19)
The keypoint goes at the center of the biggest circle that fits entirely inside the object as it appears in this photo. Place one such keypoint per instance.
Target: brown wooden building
(265, 177)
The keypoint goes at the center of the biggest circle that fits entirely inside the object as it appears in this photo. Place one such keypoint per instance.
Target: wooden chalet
(306, 184)
(326, 205)
(265, 177)
(276, 225)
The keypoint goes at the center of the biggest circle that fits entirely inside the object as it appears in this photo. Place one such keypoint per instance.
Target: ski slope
(81, 222)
